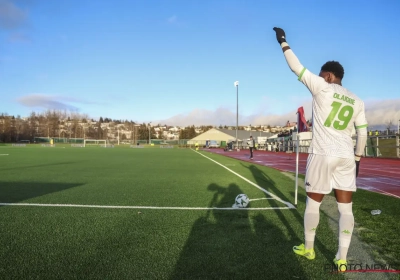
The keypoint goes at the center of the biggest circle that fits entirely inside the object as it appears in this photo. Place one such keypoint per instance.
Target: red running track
(376, 174)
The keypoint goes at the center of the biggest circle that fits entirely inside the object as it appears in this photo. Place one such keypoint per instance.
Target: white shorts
(325, 173)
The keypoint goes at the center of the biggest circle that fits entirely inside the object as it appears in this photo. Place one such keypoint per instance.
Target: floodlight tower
(149, 132)
(398, 127)
(237, 113)
(135, 126)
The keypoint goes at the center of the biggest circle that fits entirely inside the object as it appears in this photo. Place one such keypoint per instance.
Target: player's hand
(357, 159)
(357, 167)
(280, 35)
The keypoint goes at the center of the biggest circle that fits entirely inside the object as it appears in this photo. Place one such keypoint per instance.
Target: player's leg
(311, 218)
(311, 221)
(318, 176)
(345, 185)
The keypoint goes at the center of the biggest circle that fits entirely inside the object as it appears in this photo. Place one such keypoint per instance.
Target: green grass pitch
(121, 213)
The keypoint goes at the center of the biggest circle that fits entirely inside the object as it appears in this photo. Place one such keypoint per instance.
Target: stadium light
(236, 84)
(135, 126)
(83, 130)
(149, 132)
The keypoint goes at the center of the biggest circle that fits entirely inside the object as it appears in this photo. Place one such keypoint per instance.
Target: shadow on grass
(13, 192)
(235, 244)
(268, 184)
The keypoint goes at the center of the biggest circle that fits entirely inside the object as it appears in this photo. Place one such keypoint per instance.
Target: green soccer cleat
(341, 264)
(301, 250)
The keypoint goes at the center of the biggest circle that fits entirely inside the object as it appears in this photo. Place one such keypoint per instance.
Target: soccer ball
(241, 201)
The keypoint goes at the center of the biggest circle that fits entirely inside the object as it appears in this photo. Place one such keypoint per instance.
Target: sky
(175, 62)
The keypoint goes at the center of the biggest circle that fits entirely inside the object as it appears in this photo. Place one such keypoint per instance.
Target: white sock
(346, 226)
(311, 220)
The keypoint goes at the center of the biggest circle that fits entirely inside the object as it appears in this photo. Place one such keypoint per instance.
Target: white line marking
(288, 204)
(4, 154)
(255, 199)
(136, 207)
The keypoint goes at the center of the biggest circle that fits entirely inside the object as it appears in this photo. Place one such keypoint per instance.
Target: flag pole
(297, 169)
(297, 160)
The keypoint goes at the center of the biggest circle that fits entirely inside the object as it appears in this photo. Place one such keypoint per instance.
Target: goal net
(95, 142)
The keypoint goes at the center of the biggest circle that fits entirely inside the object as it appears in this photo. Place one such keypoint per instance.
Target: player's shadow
(13, 192)
(296, 237)
(234, 244)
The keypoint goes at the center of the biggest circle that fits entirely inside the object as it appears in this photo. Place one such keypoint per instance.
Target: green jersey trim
(301, 73)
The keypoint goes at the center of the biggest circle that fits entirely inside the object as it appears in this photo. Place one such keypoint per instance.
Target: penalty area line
(137, 207)
(288, 204)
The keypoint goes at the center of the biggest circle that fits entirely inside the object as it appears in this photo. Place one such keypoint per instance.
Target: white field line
(135, 207)
(255, 199)
(4, 154)
(288, 204)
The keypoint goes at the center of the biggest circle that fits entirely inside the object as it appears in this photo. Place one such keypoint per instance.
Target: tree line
(59, 124)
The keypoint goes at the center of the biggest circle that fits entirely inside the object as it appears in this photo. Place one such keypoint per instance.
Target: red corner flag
(301, 121)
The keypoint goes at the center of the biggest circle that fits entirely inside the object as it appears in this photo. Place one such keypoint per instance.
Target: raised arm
(313, 82)
(291, 58)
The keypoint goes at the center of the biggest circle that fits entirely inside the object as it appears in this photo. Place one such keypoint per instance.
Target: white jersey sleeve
(361, 120)
(314, 83)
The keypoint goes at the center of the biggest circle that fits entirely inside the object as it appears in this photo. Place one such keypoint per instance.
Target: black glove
(280, 35)
(357, 167)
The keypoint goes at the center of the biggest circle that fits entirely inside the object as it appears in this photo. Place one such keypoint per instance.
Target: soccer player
(251, 144)
(332, 162)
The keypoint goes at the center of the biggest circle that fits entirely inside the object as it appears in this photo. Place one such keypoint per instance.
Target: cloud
(172, 19)
(51, 102)
(11, 17)
(202, 117)
(224, 116)
(378, 114)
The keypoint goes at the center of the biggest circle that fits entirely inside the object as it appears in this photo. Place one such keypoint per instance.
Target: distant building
(226, 135)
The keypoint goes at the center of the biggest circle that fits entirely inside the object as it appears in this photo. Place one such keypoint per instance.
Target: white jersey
(336, 111)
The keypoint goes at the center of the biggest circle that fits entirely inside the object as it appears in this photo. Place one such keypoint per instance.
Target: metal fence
(152, 141)
(377, 146)
(57, 140)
